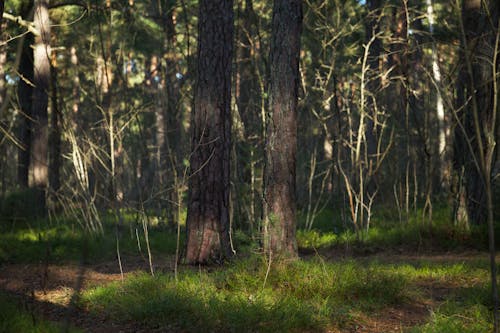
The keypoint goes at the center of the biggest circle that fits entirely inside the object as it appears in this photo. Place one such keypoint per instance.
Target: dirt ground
(47, 291)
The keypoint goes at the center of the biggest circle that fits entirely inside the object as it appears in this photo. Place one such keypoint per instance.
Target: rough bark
(41, 80)
(208, 202)
(281, 138)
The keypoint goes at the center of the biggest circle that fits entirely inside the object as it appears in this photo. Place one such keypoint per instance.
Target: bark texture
(208, 202)
(281, 140)
(41, 80)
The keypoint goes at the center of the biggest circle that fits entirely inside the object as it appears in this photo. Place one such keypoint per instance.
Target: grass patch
(65, 241)
(298, 296)
(386, 232)
(465, 311)
(456, 318)
(13, 319)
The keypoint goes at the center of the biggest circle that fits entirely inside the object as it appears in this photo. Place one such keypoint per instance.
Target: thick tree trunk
(41, 80)
(281, 141)
(208, 202)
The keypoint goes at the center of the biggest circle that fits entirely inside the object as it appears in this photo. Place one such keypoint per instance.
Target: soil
(47, 291)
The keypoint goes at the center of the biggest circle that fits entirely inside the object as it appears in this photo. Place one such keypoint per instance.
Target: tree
(281, 138)
(473, 144)
(477, 123)
(208, 202)
(25, 94)
(41, 81)
(55, 131)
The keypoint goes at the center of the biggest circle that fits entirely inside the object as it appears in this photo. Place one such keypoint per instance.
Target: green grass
(454, 318)
(297, 296)
(467, 311)
(248, 295)
(13, 319)
(388, 232)
(65, 241)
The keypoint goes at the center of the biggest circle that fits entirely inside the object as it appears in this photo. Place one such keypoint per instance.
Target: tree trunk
(480, 50)
(41, 80)
(478, 109)
(25, 96)
(281, 140)
(208, 202)
(55, 133)
(172, 119)
(443, 128)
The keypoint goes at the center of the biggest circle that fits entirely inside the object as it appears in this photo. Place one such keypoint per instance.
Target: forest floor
(46, 290)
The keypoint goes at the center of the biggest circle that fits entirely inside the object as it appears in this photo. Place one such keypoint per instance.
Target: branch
(19, 20)
(68, 3)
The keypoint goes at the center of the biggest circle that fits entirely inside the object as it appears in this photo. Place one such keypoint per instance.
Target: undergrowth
(298, 296)
(65, 240)
(387, 232)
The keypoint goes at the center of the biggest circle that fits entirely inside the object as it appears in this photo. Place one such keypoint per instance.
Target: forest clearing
(249, 166)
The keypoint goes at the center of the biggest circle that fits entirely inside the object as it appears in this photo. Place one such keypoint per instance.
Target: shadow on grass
(21, 313)
(67, 242)
(158, 303)
(295, 297)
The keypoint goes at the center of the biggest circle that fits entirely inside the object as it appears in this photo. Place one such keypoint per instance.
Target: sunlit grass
(298, 296)
(249, 295)
(458, 317)
(64, 241)
(387, 231)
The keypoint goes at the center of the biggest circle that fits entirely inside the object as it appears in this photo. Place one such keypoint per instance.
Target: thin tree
(442, 123)
(25, 94)
(208, 202)
(281, 139)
